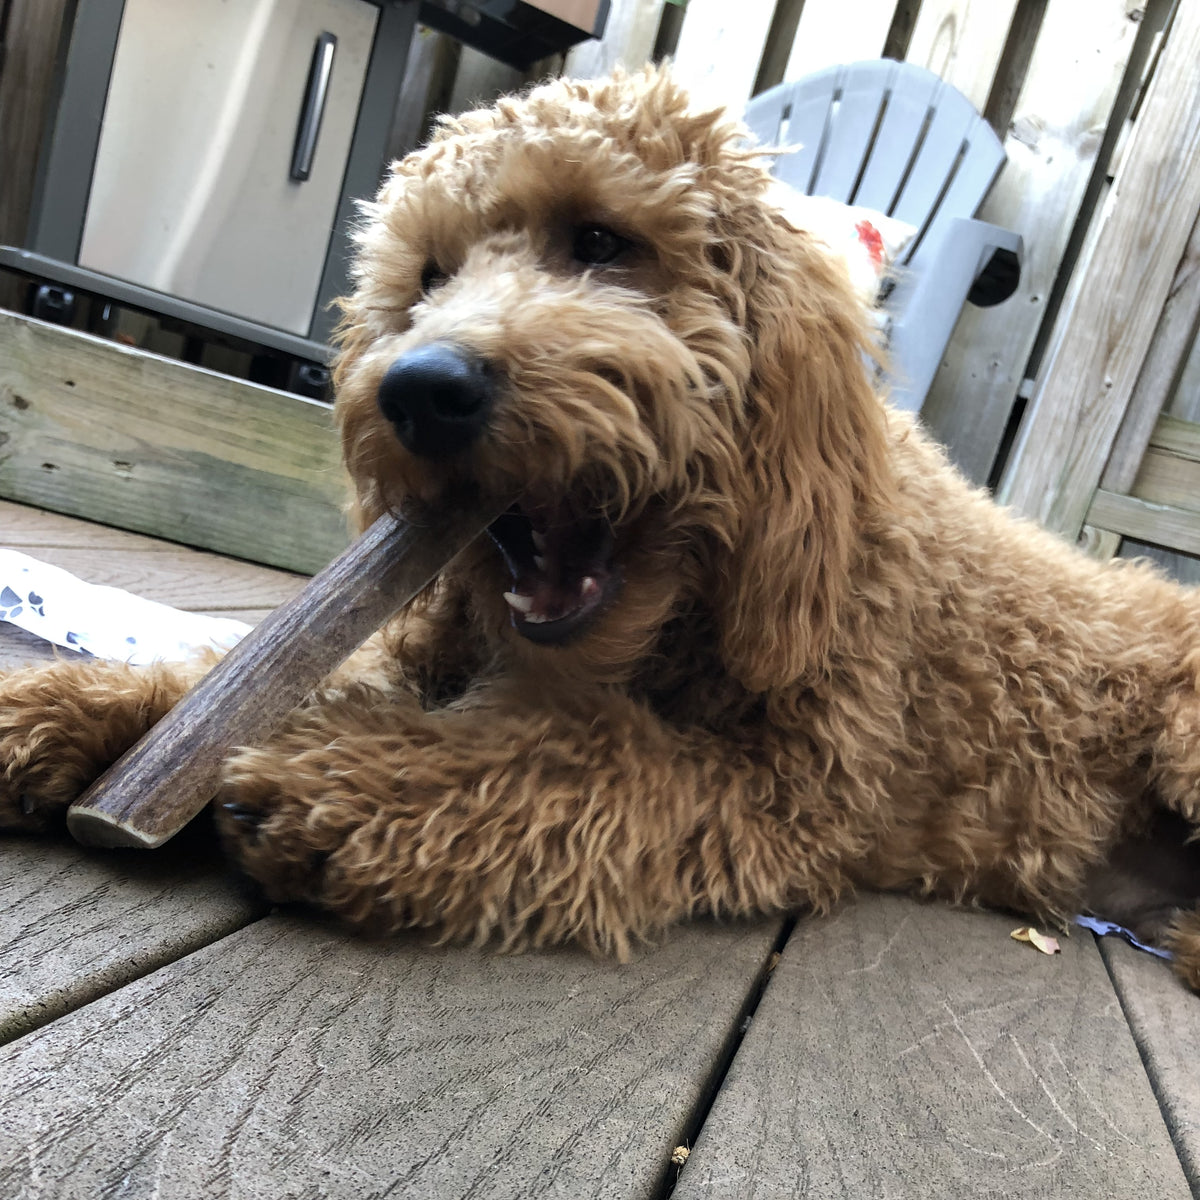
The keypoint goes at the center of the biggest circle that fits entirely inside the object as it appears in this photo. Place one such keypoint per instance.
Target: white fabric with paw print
(104, 621)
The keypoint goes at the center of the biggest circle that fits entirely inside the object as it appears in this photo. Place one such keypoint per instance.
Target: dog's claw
(243, 813)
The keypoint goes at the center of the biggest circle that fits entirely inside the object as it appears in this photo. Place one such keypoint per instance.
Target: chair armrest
(963, 257)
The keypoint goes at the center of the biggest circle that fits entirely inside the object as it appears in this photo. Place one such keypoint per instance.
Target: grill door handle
(315, 95)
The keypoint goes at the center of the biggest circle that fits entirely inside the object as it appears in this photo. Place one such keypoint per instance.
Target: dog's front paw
(49, 752)
(284, 825)
(61, 727)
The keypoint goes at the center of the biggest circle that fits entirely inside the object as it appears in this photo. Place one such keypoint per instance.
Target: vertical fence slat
(1185, 402)
(1051, 147)
(1115, 305)
(720, 49)
(628, 40)
(962, 41)
(832, 32)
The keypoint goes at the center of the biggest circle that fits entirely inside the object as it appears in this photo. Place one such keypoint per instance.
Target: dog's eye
(432, 276)
(597, 246)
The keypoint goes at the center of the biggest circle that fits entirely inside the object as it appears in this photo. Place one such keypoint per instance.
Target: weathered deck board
(21, 649)
(292, 1060)
(1165, 1019)
(178, 576)
(962, 41)
(96, 429)
(741, 32)
(628, 40)
(75, 924)
(915, 1050)
(901, 1050)
(824, 38)
(194, 580)
(22, 526)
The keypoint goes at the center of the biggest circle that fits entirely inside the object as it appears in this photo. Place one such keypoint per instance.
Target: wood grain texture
(628, 40)
(1014, 64)
(1068, 434)
(20, 649)
(1169, 472)
(176, 575)
(95, 429)
(1165, 478)
(1051, 146)
(1159, 524)
(290, 1061)
(165, 780)
(251, 616)
(1185, 402)
(75, 926)
(144, 565)
(962, 41)
(26, 85)
(24, 527)
(1165, 1019)
(1164, 364)
(720, 49)
(904, 1050)
(825, 38)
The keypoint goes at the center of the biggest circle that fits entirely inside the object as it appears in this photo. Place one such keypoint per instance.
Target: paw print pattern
(12, 604)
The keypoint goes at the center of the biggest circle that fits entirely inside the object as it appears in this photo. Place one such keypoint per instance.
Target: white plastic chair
(894, 137)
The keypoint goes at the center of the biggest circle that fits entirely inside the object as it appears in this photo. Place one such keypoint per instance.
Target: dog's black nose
(437, 399)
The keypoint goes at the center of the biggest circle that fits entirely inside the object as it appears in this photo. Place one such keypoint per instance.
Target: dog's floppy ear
(813, 454)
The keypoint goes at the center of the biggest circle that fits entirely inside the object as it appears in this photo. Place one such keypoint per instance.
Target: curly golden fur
(819, 659)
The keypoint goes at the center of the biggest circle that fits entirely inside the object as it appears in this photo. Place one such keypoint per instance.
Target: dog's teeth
(519, 603)
(536, 618)
(539, 539)
(539, 562)
(589, 587)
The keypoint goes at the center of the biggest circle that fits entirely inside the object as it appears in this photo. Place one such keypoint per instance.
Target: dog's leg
(63, 725)
(531, 824)
(1176, 767)
(1176, 775)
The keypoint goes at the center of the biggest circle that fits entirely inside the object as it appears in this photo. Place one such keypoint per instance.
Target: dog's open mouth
(562, 568)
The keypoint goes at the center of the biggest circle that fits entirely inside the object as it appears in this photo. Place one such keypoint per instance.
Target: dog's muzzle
(437, 399)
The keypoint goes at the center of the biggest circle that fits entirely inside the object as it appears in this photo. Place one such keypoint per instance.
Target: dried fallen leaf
(680, 1155)
(1047, 945)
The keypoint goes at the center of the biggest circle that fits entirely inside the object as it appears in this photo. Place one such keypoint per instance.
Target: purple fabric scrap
(1104, 928)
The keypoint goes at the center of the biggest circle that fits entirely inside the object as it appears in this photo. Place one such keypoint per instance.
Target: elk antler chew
(172, 773)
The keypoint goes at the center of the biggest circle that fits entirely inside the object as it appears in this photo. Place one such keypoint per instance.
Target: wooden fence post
(1108, 323)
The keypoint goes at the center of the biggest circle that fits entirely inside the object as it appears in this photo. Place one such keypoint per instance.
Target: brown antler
(171, 774)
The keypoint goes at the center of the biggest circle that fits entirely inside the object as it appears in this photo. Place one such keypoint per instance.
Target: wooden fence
(1057, 79)
(1077, 89)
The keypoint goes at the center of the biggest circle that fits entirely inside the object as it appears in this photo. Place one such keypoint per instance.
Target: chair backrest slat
(853, 122)
(795, 116)
(980, 164)
(886, 135)
(910, 99)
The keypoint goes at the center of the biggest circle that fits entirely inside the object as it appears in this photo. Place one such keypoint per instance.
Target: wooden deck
(166, 1036)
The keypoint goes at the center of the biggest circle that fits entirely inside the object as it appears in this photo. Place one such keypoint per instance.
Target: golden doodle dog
(745, 641)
